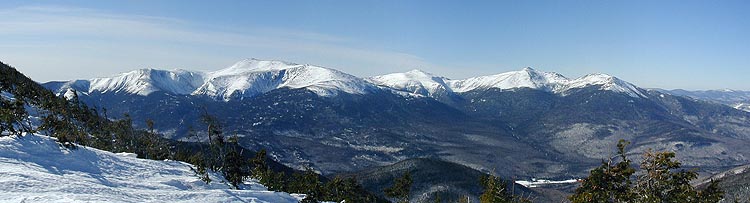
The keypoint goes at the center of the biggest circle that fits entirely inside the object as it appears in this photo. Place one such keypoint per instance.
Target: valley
(523, 124)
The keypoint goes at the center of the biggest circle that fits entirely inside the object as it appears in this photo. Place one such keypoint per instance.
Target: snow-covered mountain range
(426, 84)
(251, 77)
(245, 78)
(308, 115)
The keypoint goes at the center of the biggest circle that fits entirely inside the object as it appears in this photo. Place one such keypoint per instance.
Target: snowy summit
(251, 77)
(414, 81)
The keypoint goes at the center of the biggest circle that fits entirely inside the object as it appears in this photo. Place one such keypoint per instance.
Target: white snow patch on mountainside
(542, 182)
(35, 168)
(742, 106)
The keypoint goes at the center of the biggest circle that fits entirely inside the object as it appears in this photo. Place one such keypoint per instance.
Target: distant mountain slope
(37, 169)
(735, 183)
(737, 99)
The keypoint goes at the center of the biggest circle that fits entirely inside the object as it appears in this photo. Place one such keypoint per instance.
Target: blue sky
(665, 44)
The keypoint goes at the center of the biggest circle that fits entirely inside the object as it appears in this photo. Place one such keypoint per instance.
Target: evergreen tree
(309, 184)
(609, 182)
(233, 168)
(495, 190)
(274, 181)
(198, 160)
(260, 169)
(400, 189)
(463, 199)
(13, 116)
(346, 189)
(662, 181)
(437, 198)
(712, 193)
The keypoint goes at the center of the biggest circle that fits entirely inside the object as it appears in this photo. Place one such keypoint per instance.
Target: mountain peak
(414, 81)
(253, 64)
(251, 77)
(417, 72)
(607, 82)
(143, 82)
(526, 77)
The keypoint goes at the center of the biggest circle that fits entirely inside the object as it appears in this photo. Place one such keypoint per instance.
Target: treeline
(74, 123)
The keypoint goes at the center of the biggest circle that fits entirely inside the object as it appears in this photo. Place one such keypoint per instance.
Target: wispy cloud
(98, 42)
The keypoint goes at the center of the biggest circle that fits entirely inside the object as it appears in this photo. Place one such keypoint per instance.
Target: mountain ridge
(251, 77)
(737, 99)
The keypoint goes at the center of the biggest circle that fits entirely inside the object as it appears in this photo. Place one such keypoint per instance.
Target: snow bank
(35, 168)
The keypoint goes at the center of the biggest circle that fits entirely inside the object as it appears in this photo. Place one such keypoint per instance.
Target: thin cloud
(29, 29)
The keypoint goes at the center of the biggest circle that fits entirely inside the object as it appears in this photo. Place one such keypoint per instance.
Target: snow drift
(35, 168)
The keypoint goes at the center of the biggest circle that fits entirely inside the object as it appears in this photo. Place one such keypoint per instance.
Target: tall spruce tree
(496, 191)
(661, 180)
(609, 182)
(401, 188)
(308, 183)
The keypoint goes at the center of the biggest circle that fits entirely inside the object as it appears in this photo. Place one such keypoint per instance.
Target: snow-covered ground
(34, 168)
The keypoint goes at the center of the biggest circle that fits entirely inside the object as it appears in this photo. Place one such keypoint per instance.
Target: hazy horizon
(693, 45)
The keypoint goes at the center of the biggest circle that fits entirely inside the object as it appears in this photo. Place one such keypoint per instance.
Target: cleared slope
(35, 168)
